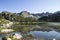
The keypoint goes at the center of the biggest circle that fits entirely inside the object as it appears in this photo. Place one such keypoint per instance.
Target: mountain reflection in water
(46, 35)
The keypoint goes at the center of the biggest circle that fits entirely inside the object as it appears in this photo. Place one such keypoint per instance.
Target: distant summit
(27, 16)
(42, 14)
(24, 14)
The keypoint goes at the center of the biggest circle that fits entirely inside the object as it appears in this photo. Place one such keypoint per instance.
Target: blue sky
(33, 6)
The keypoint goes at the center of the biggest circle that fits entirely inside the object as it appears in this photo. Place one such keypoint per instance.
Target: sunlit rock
(9, 39)
(54, 39)
(6, 30)
(17, 36)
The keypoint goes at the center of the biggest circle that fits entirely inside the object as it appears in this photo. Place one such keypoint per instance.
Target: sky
(33, 6)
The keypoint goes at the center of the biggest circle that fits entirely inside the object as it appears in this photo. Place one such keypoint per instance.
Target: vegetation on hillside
(28, 17)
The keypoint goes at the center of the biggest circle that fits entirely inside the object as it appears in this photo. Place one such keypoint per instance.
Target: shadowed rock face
(4, 38)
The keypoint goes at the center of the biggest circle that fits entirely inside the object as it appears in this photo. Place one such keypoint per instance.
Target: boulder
(9, 39)
(6, 30)
(17, 36)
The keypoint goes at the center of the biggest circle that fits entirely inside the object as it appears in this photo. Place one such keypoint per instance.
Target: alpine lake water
(47, 35)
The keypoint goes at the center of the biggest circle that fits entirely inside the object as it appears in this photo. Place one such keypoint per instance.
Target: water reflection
(46, 35)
